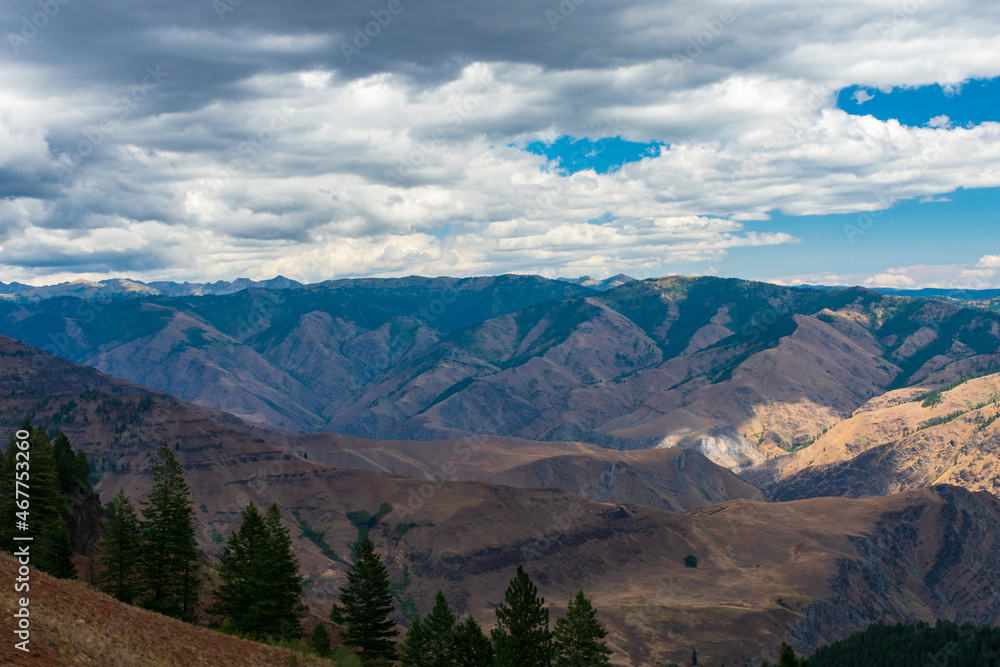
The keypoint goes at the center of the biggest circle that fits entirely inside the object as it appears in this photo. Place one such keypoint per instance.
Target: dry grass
(73, 624)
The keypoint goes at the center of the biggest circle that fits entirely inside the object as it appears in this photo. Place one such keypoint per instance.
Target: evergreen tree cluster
(260, 587)
(944, 643)
(56, 478)
(522, 636)
(152, 561)
(786, 658)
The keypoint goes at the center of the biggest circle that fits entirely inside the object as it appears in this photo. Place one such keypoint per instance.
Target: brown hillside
(806, 571)
(74, 624)
(888, 445)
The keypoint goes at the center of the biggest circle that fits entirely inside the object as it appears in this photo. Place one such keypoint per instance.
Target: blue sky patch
(602, 155)
(974, 102)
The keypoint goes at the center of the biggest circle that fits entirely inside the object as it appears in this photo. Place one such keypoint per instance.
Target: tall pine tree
(579, 637)
(472, 647)
(521, 637)
(415, 646)
(281, 609)
(439, 630)
(365, 605)
(169, 554)
(51, 550)
(119, 551)
(242, 577)
(259, 592)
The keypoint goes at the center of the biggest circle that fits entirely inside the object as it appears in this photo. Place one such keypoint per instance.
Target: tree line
(522, 636)
(151, 561)
(57, 480)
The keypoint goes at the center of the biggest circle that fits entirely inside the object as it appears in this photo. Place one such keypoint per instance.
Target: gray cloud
(159, 137)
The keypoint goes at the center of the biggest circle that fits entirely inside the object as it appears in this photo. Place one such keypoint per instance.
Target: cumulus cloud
(203, 145)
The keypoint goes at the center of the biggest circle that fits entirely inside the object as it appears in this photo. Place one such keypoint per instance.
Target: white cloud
(409, 168)
(941, 121)
(861, 96)
(890, 280)
(991, 261)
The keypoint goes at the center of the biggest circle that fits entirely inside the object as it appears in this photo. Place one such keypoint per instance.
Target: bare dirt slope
(74, 624)
(894, 443)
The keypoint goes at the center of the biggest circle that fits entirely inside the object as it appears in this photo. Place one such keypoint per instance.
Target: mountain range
(830, 457)
(807, 571)
(739, 370)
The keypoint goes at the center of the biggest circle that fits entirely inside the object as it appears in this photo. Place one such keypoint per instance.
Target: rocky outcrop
(903, 574)
(724, 446)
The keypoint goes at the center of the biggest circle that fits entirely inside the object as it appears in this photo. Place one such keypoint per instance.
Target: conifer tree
(319, 640)
(280, 606)
(439, 630)
(51, 551)
(65, 461)
(240, 573)
(579, 637)
(120, 550)
(472, 647)
(59, 556)
(169, 551)
(365, 605)
(415, 646)
(8, 497)
(521, 637)
(259, 592)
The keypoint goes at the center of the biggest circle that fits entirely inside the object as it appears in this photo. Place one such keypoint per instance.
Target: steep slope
(806, 570)
(735, 369)
(71, 623)
(274, 356)
(894, 443)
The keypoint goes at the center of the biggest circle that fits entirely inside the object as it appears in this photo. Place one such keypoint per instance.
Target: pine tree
(579, 637)
(83, 471)
(169, 551)
(786, 658)
(415, 646)
(120, 550)
(280, 606)
(319, 640)
(521, 637)
(65, 461)
(365, 605)
(59, 551)
(472, 647)
(51, 551)
(259, 592)
(8, 496)
(439, 628)
(240, 574)
(694, 656)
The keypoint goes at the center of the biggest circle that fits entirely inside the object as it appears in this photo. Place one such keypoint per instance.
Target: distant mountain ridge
(123, 287)
(738, 370)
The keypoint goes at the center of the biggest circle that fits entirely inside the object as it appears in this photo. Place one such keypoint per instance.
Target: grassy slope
(71, 623)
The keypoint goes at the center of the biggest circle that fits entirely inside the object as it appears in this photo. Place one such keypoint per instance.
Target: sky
(857, 142)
